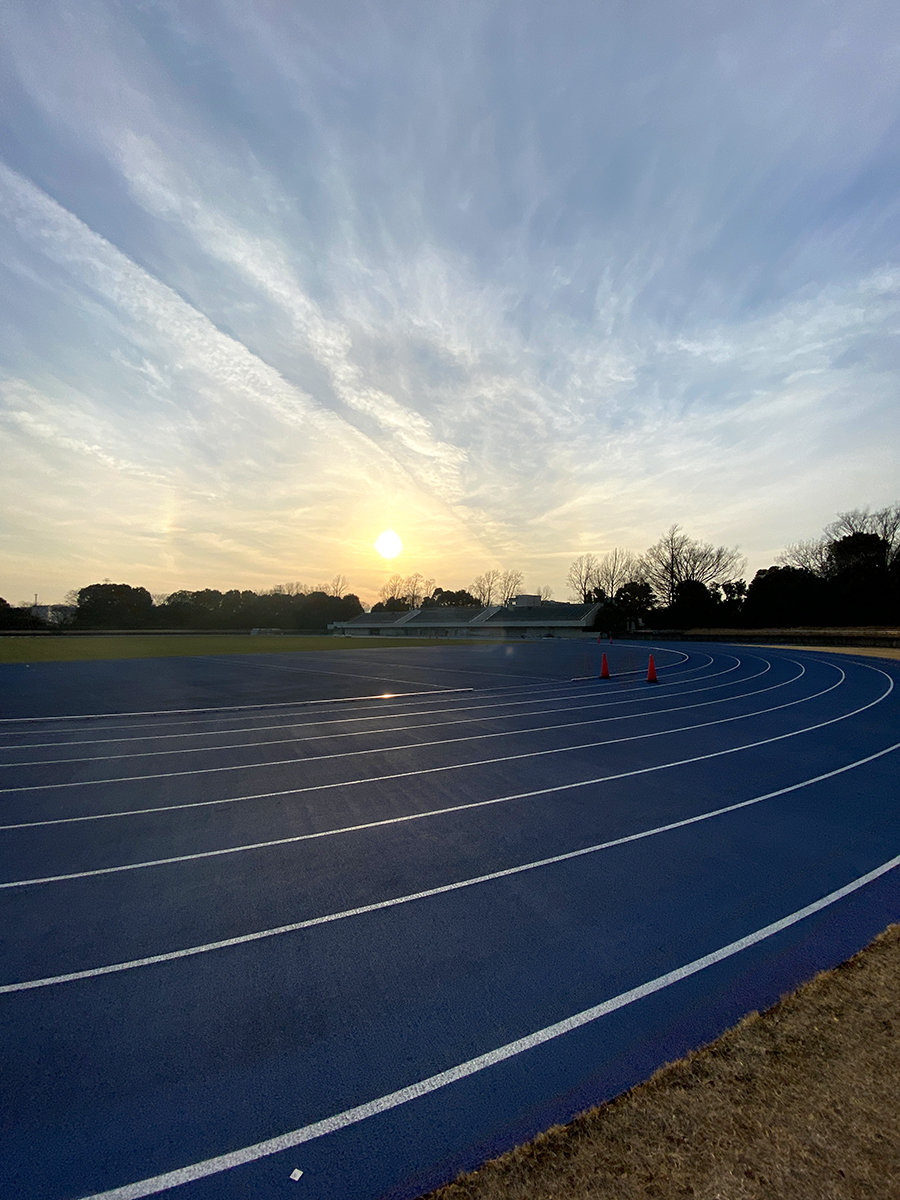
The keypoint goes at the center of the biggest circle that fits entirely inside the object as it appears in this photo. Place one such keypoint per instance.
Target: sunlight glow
(388, 544)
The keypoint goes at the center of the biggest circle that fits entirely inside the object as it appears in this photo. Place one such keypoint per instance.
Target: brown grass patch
(800, 1102)
(848, 632)
(867, 651)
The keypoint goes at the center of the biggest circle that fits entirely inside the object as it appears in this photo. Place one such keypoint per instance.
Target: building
(525, 617)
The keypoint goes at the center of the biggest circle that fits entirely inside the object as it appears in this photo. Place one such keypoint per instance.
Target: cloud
(535, 282)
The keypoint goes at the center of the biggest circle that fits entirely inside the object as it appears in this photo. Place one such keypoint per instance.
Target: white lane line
(296, 761)
(397, 701)
(223, 708)
(422, 1087)
(363, 659)
(288, 723)
(111, 722)
(371, 700)
(361, 910)
(357, 733)
(304, 837)
(321, 787)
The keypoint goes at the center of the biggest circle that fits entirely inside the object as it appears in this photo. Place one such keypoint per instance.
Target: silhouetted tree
(442, 598)
(857, 570)
(616, 568)
(114, 606)
(695, 606)
(510, 586)
(677, 558)
(785, 596)
(20, 618)
(485, 587)
(635, 600)
(582, 577)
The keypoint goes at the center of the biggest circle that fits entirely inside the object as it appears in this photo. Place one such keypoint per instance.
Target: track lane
(216, 1074)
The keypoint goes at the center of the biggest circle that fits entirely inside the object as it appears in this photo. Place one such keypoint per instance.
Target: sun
(388, 544)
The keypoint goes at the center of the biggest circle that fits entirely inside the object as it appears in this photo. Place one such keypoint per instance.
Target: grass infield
(37, 648)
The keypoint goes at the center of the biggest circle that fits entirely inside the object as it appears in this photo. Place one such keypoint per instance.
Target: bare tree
(677, 558)
(885, 523)
(485, 586)
(545, 592)
(339, 586)
(582, 576)
(413, 591)
(510, 584)
(290, 589)
(813, 555)
(806, 556)
(392, 589)
(617, 568)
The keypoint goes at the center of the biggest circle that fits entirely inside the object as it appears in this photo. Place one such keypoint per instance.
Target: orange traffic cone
(599, 638)
(604, 668)
(651, 671)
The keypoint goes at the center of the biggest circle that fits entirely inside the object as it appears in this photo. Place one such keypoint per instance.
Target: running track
(261, 918)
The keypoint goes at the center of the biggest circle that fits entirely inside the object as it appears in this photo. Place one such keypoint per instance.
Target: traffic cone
(651, 671)
(604, 668)
(599, 638)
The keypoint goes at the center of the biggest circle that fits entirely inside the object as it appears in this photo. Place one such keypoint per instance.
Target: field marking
(262, 665)
(475, 737)
(302, 837)
(178, 712)
(320, 787)
(406, 697)
(374, 701)
(111, 722)
(422, 1087)
(361, 910)
(318, 737)
(289, 723)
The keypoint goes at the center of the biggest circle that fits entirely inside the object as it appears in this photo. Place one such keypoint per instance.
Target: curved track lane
(375, 917)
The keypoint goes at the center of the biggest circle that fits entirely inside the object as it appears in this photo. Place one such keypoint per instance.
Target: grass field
(36, 648)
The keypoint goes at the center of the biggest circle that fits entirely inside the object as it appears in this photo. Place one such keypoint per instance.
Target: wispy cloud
(527, 281)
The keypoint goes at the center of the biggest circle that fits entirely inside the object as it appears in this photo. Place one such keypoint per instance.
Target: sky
(519, 280)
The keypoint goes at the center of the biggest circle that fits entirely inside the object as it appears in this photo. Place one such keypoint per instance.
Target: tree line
(415, 591)
(849, 575)
(290, 606)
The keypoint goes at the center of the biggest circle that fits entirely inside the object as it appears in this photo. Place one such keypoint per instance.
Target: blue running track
(337, 926)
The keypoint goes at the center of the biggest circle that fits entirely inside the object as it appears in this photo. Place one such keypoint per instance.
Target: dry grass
(866, 651)
(801, 1102)
(860, 632)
